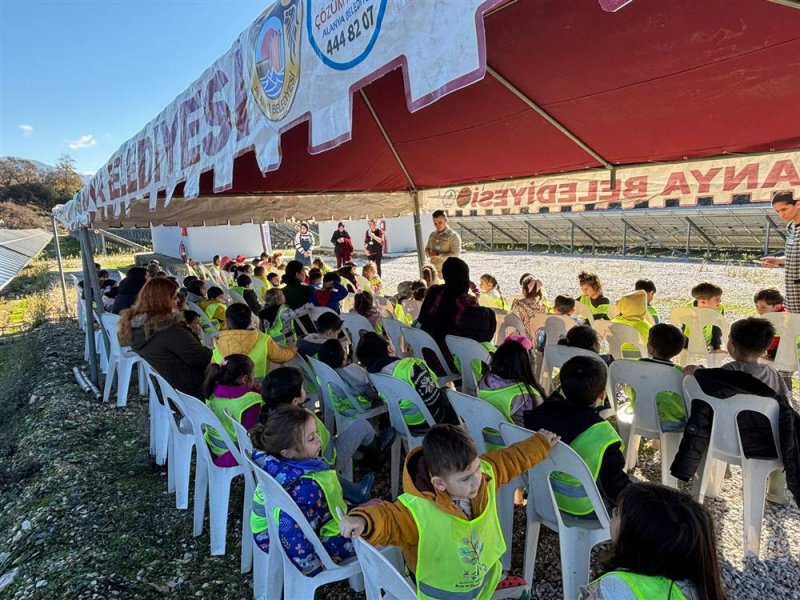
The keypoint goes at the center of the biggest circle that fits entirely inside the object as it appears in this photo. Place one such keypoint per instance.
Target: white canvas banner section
(713, 181)
(300, 60)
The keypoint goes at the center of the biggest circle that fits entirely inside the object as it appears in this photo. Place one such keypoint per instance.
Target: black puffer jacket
(754, 428)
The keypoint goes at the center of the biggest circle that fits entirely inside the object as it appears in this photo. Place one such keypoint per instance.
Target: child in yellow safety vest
(592, 295)
(650, 289)
(685, 566)
(664, 344)
(229, 386)
(478, 323)
(576, 418)
(708, 295)
(446, 520)
(215, 307)
(631, 311)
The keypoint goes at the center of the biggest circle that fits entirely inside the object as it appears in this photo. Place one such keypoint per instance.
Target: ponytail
(227, 372)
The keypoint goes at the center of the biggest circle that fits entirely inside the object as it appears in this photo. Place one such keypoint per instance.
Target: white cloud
(27, 130)
(85, 141)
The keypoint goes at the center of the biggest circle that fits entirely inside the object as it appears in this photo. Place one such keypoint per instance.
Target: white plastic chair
(392, 390)
(585, 313)
(555, 326)
(248, 559)
(478, 415)
(695, 319)
(121, 360)
(511, 322)
(620, 334)
(418, 341)
(236, 297)
(384, 306)
(310, 382)
(725, 446)
(315, 312)
(211, 482)
(554, 358)
(160, 413)
(380, 575)
(647, 379)
(787, 327)
(355, 326)
(602, 327)
(394, 329)
(210, 331)
(99, 344)
(296, 585)
(576, 536)
(467, 351)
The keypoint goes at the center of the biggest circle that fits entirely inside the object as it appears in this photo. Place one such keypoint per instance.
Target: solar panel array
(17, 248)
(754, 228)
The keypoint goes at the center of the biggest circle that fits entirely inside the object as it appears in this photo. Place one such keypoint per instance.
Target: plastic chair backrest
(205, 322)
(554, 358)
(277, 498)
(647, 379)
(394, 329)
(723, 440)
(477, 415)
(328, 378)
(695, 319)
(585, 312)
(315, 312)
(110, 322)
(419, 340)
(555, 326)
(380, 575)
(309, 377)
(619, 334)
(602, 327)
(511, 321)
(563, 459)
(355, 324)
(201, 417)
(392, 390)
(787, 327)
(384, 305)
(243, 441)
(236, 297)
(467, 350)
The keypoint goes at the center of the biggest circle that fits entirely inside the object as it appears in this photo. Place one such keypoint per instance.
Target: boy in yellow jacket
(446, 521)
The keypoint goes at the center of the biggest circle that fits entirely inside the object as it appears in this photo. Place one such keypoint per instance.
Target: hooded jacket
(756, 433)
(242, 341)
(127, 293)
(172, 349)
(391, 522)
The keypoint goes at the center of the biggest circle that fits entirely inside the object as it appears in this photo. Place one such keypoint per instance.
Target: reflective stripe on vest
(649, 587)
(259, 354)
(590, 446)
(503, 398)
(328, 482)
(457, 559)
(235, 406)
(402, 370)
(258, 514)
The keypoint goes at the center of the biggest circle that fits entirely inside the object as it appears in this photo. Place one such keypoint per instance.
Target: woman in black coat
(129, 288)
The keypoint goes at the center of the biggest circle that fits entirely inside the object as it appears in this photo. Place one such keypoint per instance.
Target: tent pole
(418, 234)
(95, 283)
(60, 265)
(87, 311)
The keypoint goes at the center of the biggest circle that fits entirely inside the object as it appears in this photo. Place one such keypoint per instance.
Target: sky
(81, 76)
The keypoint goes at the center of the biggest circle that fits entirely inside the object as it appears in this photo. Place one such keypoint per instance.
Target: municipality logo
(275, 60)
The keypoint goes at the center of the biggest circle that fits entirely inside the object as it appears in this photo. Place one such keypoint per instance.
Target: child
(274, 280)
(583, 336)
(412, 305)
(530, 304)
(575, 417)
(318, 263)
(490, 293)
(685, 566)
(650, 289)
(429, 276)
(193, 321)
(331, 294)
(315, 278)
(272, 318)
(240, 337)
(665, 343)
(767, 301)
(565, 306)
(353, 376)
(277, 262)
(229, 386)
(215, 307)
(632, 309)
(364, 304)
(260, 283)
(708, 295)
(377, 355)
(478, 323)
(287, 446)
(592, 295)
(510, 385)
(446, 521)
(329, 327)
(249, 295)
(370, 273)
(197, 291)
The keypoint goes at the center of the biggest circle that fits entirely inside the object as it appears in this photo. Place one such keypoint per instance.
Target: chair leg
(181, 459)
(109, 384)
(219, 491)
(669, 448)
(576, 554)
(200, 494)
(632, 450)
(124, 372)
(142, 378)
(531, 545)
(505, 510)
(754, 479)
(248, 546)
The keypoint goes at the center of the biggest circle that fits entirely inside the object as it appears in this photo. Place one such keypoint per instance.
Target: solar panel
(17, 248)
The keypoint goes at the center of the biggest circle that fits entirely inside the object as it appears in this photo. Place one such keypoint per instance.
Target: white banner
(713, 181)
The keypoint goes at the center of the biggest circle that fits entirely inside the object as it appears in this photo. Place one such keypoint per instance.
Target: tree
(64, 179)
(16, 171)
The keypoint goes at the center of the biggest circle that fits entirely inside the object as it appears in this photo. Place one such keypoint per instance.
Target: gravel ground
(85, 512)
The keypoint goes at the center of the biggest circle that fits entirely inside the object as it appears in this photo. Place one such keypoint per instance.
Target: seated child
(229, 386)
(664, 344)
(509, 385)
(287, 446)
(477, 323)
(240, 337)
(446, 520)
(274, 280)
(353, 376)
(329, 327)
(260, 283)
(331, 294)
(215, 307)
(565, 306)
(650, 516)
(315, 278)
(531, 304)
(370, 273)
(767, 301)
(632, 309)
(193, 321)
(490, 293)
(592, 295)
(412, 305)
(250, 296)
(318, 263)
(708, 295)
(274, 318)
(197, 291)
(583, 336)
(364, 305)
(377, 355)
(576, 418)
(650, 289)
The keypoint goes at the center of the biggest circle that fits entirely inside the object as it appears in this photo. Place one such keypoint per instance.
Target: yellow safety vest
(502, 399)
(235, 406)
(601, 310)
(211, 309)
(649, 587)
(259, 354)
(457, 558)
(629, 351)
(402, 370)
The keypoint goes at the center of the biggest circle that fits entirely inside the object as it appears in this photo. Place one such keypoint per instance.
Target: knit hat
(633, 305)
(478, 323)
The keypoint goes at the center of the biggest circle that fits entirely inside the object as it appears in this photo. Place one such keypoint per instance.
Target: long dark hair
(293, 269)
(282, 431)
(456, 283)
(227, 372)
(664, 532)
(511, 361)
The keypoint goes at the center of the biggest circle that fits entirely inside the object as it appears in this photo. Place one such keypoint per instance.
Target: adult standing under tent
(786, 206)
(342, 245)
(443, 242)
(304, 245)
(373, 244)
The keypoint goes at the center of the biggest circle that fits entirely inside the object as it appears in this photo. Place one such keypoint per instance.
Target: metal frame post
(572, 237)
(418, 234)
(766, 235)
(688, 237)
(88, 292)
(491, 236)
(624, 238)
(60, 264)
(527, 237)
(94, 283)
